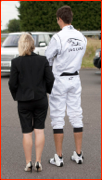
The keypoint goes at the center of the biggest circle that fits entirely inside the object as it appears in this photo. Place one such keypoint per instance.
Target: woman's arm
(13, 81)
(49, 77)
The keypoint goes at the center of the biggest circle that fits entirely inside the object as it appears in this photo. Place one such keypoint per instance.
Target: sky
(8, 12)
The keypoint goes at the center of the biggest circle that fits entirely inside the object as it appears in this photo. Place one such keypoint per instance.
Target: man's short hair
(65, 14)
(25, 44)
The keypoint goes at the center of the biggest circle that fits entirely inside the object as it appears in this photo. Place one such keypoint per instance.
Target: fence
(86, 33)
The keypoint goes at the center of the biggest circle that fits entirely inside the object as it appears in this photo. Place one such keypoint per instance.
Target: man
(64, 53)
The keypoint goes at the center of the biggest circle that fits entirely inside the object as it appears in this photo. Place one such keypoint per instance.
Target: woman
(30, 79)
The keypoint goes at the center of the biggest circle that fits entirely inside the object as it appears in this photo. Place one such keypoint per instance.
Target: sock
(79, 154)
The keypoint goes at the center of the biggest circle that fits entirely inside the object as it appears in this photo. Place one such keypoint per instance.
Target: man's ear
(60, 19)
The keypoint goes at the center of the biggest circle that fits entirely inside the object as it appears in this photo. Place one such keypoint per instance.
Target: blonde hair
(25, 44)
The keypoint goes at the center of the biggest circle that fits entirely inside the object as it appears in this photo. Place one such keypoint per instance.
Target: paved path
(13, 160)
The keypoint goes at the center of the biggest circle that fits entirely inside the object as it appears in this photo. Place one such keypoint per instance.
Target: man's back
(72, 46)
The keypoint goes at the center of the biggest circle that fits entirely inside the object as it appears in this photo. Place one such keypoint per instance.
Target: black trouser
(32, 114)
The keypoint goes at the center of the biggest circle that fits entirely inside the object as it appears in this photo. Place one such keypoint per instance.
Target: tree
(13, 25)
(41, 15)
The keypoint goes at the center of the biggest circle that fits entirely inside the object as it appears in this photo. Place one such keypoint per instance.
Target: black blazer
(30, 78)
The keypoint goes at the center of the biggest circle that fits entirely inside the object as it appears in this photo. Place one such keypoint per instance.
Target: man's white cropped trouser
(66, 92)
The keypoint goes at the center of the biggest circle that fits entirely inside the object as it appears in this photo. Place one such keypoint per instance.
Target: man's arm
(52, 50)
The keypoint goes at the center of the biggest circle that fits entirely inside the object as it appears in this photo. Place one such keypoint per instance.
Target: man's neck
(65, 25)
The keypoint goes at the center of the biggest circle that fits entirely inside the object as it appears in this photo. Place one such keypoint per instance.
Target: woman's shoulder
(40, 57)
(35, 56)
(16, 58)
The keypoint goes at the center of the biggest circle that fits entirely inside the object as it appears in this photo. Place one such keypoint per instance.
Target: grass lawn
(92, 45)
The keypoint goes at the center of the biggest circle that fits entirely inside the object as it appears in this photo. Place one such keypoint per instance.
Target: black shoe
(28, 167)
(38, 166)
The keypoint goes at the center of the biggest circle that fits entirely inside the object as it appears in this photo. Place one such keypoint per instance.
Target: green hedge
(41, 15)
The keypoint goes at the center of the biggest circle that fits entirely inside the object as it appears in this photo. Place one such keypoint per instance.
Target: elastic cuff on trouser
(58, 131)
(76, 130)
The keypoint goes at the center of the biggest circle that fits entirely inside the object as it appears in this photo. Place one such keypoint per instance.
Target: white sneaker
(56, 161)
(28, 167)
(76, 158)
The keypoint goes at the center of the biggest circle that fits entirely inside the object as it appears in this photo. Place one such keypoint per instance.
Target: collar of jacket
(32, 54)
(68, 27)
